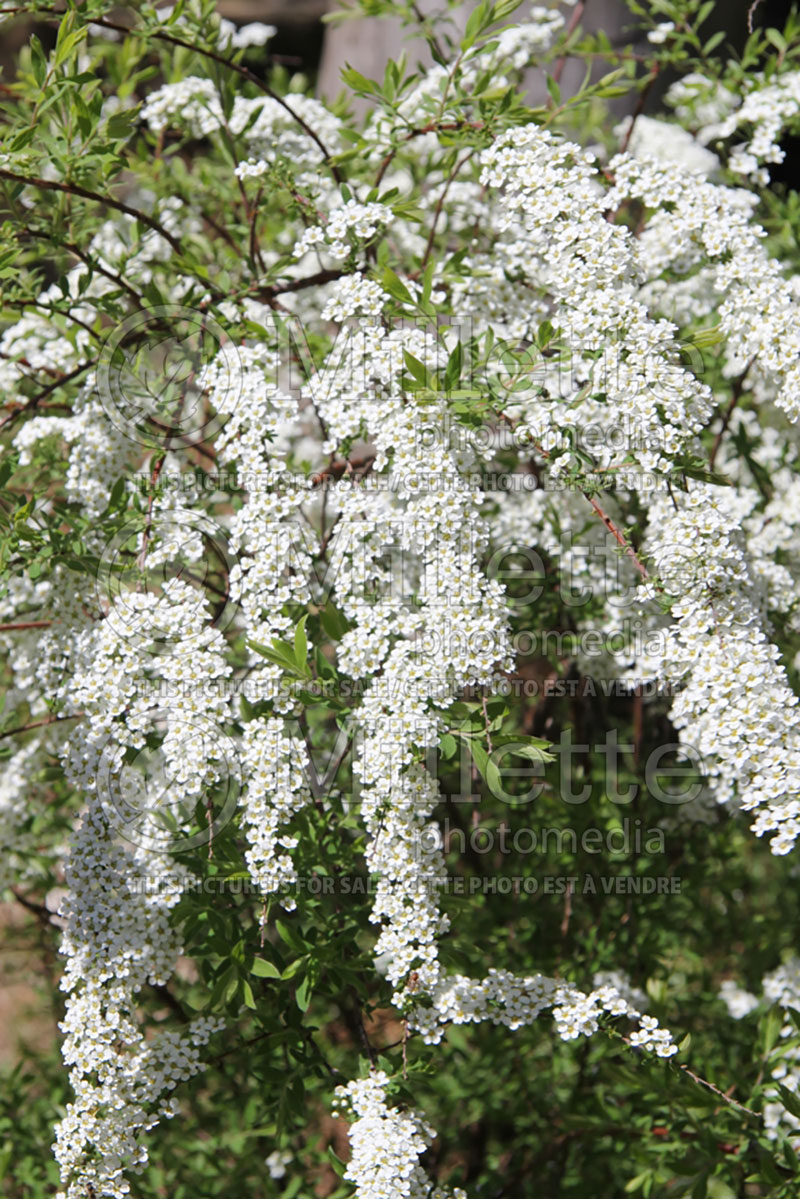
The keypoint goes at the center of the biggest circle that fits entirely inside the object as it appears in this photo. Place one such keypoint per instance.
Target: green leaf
(717, 1189)
(476, 22)
(700, 1188)
(294, 968)
(448, 745)
(479, 756)
(395, 286)
(264, 969)
(789, 1099)
(303, 993)
(301, 644)
(416, 369)
(791, 1156)
(452, 374)
(359, 83)
(705, 338)
(771, 1025)
(636, 1184)
(337, 1164)
(334, 622)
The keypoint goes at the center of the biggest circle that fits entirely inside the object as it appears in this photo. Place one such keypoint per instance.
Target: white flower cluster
(273, 573)
(280, 131)
(555, 212)
(118, 936)
(350, 220)
(738, 1001)
(271, 129)
(701, 103)
(274, 564)
(441, 589)
(654, 1039)
(735, 707)
(504, 998)
(667, 141)
(256, 33)
(117, 939)
(514, 49)
(192, 102)
(352, 296)
(768, 108)
(515, 1001)
(661, 33)
(275, 769)
(229, 36)
(386, 1144)
(706, 223)
(782, 987)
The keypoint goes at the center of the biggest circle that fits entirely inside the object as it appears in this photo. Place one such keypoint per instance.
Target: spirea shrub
(400, 544)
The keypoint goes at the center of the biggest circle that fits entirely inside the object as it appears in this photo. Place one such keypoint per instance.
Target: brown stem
(703, 1082)
(101, 270)
(71, 248)
(427, 33)
(617, 535)
(74, 189)
(577, 14)
(269, 293)
(148, 524)
(751, 12)
(35, 724)
(431, 127)
(42, 913)
(438, 210)
(738, 390)
(68, 316)
(28, 624)
(34, 401)
(639, 109)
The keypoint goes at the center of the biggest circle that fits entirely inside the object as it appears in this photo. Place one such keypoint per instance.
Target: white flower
(277, 1161)
(661, 32)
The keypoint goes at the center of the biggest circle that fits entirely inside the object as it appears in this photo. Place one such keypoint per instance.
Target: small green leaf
(395, 286)
(448, 745)
(301, 643)
(415, 368)
(264, 969)
(789, 1099)
(303, 994)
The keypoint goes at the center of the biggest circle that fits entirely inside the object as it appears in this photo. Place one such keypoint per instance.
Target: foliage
(392, 507)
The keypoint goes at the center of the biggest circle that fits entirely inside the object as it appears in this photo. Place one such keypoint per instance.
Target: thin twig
(639, 109)
(738, 390)
(438, 210)
(28, 624)
(269, 293)
(618, 536)
(35, 724)
(751, 12)
(575, 19)
(34, 401)
(74, 189)
(703, 1082)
